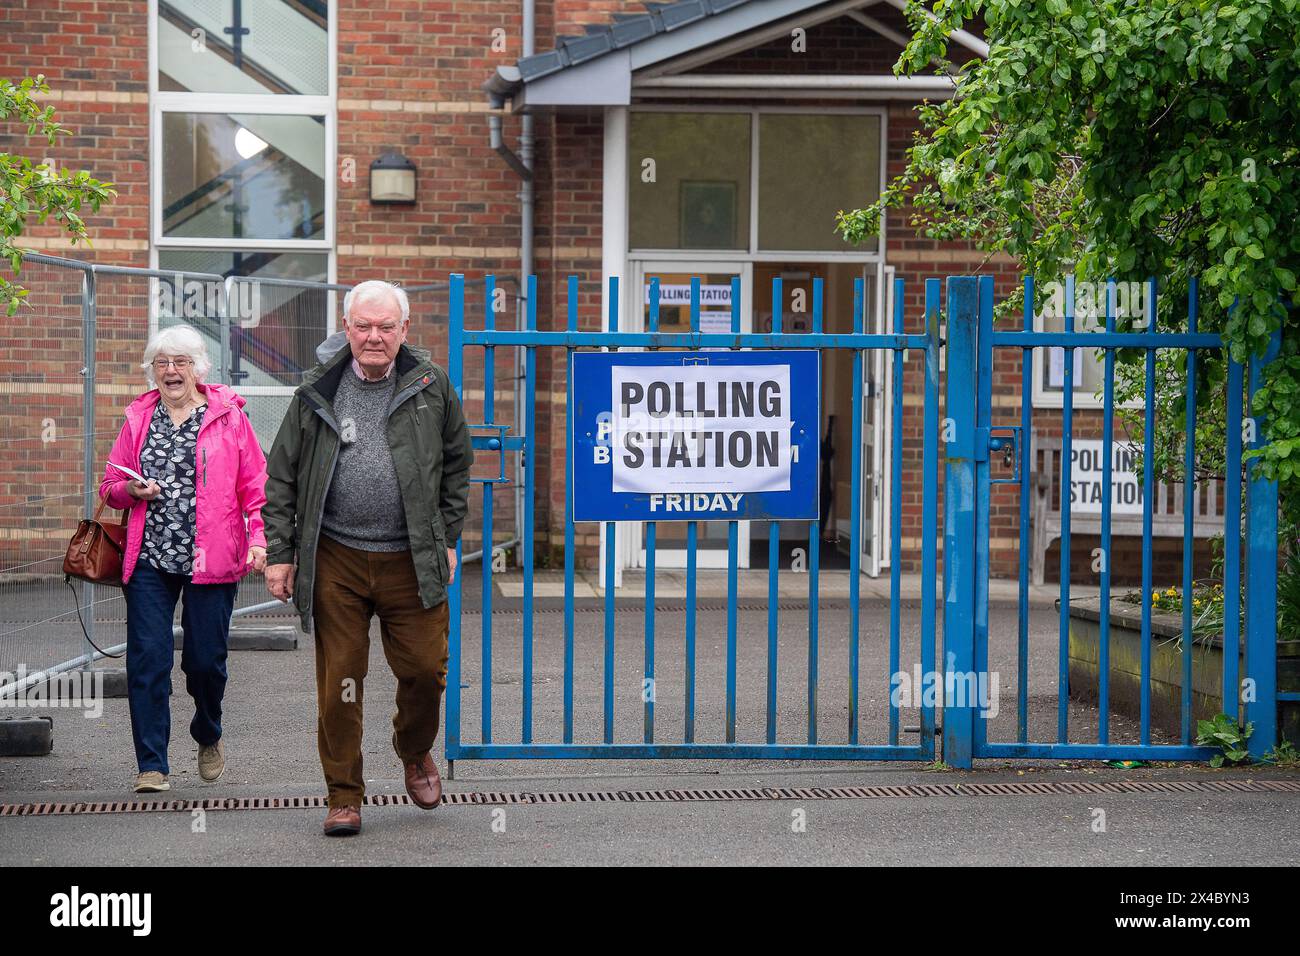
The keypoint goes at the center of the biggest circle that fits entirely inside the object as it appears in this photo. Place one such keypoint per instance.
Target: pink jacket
(231, 477)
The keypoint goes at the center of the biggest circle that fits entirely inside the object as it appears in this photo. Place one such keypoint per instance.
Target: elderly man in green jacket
(366, 493)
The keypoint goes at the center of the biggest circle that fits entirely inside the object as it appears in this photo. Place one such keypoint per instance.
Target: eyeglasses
(363, 328)
(181, 364)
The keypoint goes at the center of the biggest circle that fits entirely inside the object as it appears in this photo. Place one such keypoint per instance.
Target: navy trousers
(151, 597)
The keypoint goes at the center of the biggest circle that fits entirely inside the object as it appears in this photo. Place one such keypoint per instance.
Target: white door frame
(878, 483)
(632, 550)
(615, 249)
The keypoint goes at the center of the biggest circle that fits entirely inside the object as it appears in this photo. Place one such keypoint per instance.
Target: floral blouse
(168, 458)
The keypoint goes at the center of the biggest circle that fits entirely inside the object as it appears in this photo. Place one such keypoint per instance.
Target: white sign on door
(1056, 368)
(714, 296)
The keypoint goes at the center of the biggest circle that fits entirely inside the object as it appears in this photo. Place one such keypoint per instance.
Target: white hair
(373, 289)
(177, 340)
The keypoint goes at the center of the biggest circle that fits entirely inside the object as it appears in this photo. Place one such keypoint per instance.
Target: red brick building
(703, 137)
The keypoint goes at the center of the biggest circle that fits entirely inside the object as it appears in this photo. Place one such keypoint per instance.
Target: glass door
(675, 316)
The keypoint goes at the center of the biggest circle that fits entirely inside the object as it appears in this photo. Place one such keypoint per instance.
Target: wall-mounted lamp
(392, 180)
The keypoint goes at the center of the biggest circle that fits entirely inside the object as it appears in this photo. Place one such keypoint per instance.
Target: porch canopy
(642, 56)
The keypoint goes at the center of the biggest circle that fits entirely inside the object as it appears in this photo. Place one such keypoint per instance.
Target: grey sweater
(363, 508)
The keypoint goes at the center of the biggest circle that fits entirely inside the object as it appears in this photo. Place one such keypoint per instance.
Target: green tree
(37, 190)
(1129, 139)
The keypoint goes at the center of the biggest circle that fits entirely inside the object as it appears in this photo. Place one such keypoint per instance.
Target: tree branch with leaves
(37, 191)
(1116, 139)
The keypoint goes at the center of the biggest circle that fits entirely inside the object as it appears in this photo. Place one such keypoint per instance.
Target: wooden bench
(1166, 519)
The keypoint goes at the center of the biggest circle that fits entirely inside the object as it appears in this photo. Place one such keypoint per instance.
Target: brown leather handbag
(96, 551)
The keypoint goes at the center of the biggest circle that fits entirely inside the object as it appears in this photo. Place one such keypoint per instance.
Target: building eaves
(626, 30)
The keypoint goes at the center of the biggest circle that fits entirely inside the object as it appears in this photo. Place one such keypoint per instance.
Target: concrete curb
(273, 637)
(26, 736)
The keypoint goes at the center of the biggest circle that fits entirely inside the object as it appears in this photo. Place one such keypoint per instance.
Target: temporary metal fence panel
(67, 378)
(645, 736)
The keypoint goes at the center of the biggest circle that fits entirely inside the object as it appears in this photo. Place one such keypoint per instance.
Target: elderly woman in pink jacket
(195, 528)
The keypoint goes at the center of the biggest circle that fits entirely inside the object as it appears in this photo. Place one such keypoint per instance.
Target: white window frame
(266, 103)
(161, 102)
(752, 252)
(1044, 398)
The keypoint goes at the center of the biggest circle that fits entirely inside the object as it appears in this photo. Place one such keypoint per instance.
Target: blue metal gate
(969, 436)
(972, 341)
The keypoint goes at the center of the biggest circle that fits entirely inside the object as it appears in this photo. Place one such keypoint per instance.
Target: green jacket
(430, 443)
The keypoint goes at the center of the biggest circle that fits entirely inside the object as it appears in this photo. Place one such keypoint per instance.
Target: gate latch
(1004, 439)
(496, 441)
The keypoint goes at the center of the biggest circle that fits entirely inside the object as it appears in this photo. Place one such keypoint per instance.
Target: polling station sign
(1087, 464)
(685, 436)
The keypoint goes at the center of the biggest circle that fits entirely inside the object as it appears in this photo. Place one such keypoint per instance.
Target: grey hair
(177, 340)
(373, 289)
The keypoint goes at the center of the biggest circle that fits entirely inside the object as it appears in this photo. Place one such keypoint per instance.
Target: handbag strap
(99, 509)
(77, 601)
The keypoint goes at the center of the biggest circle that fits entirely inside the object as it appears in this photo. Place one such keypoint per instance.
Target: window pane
(232, 46)
(243, 176)
(688, 180)
(1088, 367)
(809, 168)
(274, 330)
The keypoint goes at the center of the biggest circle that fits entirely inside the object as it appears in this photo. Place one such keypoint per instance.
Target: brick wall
(410, 76)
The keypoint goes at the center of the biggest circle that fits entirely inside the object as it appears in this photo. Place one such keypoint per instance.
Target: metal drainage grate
(504, 797)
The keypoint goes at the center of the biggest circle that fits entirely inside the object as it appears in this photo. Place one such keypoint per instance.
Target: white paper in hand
(129, 472)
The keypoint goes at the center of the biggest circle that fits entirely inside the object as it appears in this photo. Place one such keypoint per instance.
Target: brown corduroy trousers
(351, 587)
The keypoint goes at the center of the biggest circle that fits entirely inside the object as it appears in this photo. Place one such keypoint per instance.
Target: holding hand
(138, 489)
(279, 580)
(256, 558)
(451, 565)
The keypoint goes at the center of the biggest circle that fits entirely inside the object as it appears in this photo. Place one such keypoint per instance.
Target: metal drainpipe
(522, 164)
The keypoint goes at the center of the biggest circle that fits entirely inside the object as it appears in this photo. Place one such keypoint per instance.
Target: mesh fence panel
(272, 335)
(42, 444)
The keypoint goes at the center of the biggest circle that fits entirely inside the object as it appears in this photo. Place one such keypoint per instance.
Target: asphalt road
(270, 738)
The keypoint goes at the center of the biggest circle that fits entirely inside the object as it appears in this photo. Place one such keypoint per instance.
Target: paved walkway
(270, 735)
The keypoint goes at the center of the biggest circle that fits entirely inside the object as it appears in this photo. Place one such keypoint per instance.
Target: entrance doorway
(675, 316)
(837, 401)
(837, 407)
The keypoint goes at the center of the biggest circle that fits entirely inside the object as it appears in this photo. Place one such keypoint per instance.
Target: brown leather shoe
(343, 821)
(423, 782)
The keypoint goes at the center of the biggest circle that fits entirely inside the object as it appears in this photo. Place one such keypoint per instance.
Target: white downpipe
(613, 257)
